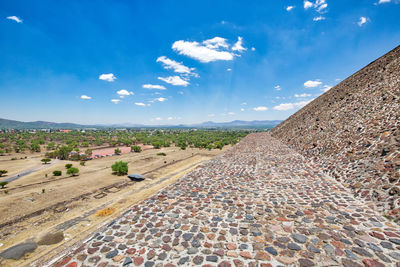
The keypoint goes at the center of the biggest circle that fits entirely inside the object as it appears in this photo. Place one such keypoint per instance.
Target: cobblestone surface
(353, 132)
(258, 204)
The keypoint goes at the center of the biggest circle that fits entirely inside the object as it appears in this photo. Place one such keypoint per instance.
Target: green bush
(57, 173)
(45, 161)
(161, 154)
(67, 166)
(117, 151)
(120, 168)
(137, 149)
(3, 184)
(2, 172)
(82, 163)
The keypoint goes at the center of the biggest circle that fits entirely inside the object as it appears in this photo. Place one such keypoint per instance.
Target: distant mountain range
(12, 124)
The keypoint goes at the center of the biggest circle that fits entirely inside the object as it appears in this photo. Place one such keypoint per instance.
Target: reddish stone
(64, 261)
(338, 244)
(266, 265)
(92, 250)
(245, 254)
(339, 252)
(391, 234)
(372, 263)
(231, 254)
(103, 264)
(238, 263)
(142, 251)
(207, 245)
(231, 246)
(262, 256)
(282, 219)
(219, 252)
(377, 235)
(224, 264)
(131, 250)
(138, 260)
(72, 264)
(308, 212)
(169, 265)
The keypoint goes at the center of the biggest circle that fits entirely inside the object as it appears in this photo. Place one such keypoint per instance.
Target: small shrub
(161, 154)
(117, 151)
(136, 149)
(2, 172)
(82, 163)
(6, 192)
(3, 184)
(43, 191)
(46, 160)
(13, 158)
(67, 166)
(57, 173)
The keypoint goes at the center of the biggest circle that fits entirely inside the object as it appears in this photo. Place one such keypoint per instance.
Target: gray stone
(271, 250)
(18, 251)
(299, 238)
(294, 246)
(212, 258)
(127, 261)
(112, 254)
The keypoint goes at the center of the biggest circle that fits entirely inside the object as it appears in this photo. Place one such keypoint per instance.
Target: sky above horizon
(182, 62)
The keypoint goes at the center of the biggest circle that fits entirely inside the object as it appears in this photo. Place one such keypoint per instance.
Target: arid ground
(36, 205)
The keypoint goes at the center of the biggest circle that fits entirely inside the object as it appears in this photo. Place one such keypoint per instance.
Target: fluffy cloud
(115, 101)
(261, 108)
(242, 109)
(172, 64)
(278, 88)
(326, 88)
(289, 8)
(15, 18)
(153, 86)
(238, 45)
(200, 52)
(140, 104)
(160, 99)
(302, 95)
(319, 5)
(174, 80)
(319, 18)
(362, 21)
(312, 84)
(107, 77)
(122, 93)
(158, 119)
(85, 97)
(289, 106)
(253, 49)
(216, 42)
(211, 115)
(384, 1)
(229, 69)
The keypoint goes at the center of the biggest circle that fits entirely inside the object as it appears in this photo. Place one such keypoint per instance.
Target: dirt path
(30, 171)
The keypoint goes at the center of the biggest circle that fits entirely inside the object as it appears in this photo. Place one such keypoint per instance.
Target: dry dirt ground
(37, 205)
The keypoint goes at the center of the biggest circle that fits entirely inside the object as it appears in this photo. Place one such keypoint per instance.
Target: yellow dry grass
(105, 212)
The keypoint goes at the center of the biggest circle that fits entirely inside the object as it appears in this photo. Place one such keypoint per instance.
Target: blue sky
(172, 62)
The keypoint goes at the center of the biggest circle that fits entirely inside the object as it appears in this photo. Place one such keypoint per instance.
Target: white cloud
(307, 4)
(158, 119)
(200, 52)
(211, 115)
(174, 80)
(176, 66)
(15, 18)
(107, 77)
(278, 88)
(326, 88)
(302, 95)
(384, 1)
(153, 86)
(244, 104)
(253, 49)
(180, 92)
(122, 93)
(160, 99)
(312, 84)
(238, 45)
(231, 113)
(216, 42)
(261, 108)
(115, 101)
(289, 106)
(289, 8)
(229, 69)
(319, 18)
(242, 109)
(140, 104)
(362, 21)
(85, 97)
(170, 118)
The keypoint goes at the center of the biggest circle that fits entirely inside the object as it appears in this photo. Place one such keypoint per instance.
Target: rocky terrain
(353, 133)
(258, 204)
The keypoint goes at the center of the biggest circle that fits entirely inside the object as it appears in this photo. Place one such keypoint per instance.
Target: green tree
(3, 184)
(67, 166)
(63, 152)
(73, 171)
(46, 160)
(82, 163)
(1, 152)
(120, 168)
(2, 172)
(35, 147)
(137, 149)
(117, 151)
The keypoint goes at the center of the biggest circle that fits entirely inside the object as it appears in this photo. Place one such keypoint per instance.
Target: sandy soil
(68, 204)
